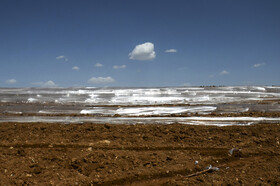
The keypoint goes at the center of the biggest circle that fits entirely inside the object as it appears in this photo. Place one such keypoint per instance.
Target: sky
(102, 43)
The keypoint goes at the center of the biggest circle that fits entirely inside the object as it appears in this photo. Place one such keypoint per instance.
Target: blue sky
(139, 43)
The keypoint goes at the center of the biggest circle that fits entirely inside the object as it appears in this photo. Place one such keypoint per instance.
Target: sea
(209, 105)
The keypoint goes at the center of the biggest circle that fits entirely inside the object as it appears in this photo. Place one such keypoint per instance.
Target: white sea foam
(220, 124)
(137, 111)
(260, 88)
(147, 100)
(226, 99)
(44, 112)
(191, 95)
(142, 120)
(14, 112)
(232, 119)
(161, 110)
(98, 110)
(194, 88)
(31, 100)
(56, 111)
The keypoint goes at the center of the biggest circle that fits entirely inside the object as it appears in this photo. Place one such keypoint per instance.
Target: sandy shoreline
(59, 154)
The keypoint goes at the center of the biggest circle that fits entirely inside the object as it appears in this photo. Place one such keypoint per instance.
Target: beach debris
(209, 168)
(232, 150)
(215, 168)
(235, 152)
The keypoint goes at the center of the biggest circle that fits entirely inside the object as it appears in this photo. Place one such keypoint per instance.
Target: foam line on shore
(216, 121)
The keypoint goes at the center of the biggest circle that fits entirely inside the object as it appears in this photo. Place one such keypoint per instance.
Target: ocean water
(139, 105)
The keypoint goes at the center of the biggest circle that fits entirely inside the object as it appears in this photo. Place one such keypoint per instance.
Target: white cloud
(143, 52)
(11, 81)
(98, 65)
(62, 57)
(119, 67)
(171, 50)
(224, 72)
(258, 65)
(75, 68)
(47, 84)
(101, 80)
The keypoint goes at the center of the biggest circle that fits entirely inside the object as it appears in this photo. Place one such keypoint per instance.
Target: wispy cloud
(258, 65)
(48, 84)
(119, 67)
(172, 50)
(98, 65)
(224, 72)
(62, 58)
(101, 80)
(11, 81)
(143, 52)
(75, 68)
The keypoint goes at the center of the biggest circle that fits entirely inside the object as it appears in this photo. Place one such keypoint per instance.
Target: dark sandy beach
(85, 154)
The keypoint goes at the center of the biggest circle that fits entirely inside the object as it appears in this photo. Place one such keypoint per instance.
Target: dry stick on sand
(212, 169)
(200, 172)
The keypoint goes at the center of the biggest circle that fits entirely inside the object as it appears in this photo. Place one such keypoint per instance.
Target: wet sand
(85, 154)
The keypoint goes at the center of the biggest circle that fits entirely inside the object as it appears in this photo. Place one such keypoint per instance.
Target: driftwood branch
(210, 169)
(200, 172)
